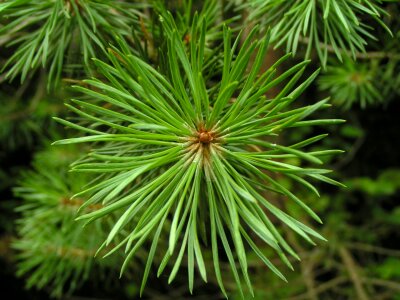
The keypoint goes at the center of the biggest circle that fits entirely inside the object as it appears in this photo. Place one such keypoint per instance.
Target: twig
(352, 267)
(78, 203)
(387, 295)
(70, 252)
(322, 287)
(5, 247)
(40, 92)
(360, 55)
(375, 249)
(352, 153)
(354, 148)
(306, 266)
(384, 283)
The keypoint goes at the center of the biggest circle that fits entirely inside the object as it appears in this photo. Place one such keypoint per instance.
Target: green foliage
(386, 184)
(372, 79)
(200, 154)
(352, 82)
(319, 24)
(61, 35)
(56, 253)
(209, 13)
(177, 149)
(389, 269)
(25, 113)
(365, 82)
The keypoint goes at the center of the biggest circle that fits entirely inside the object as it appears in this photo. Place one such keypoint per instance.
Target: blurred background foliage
(361, 259)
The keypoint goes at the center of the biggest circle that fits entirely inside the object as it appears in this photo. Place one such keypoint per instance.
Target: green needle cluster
(191, 160)
(352, 83)
(320, 24)
(61, 34)
(54, 252)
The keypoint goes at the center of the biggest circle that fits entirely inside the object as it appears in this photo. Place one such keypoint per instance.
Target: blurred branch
(39, 94)
(307, 266)
(322, 287)
(383, 283)
(388, 295)
(375, 249)
(70, 252)
(354, 148)
(352, 267)
(5, 249)
(360, 55)
(351, 154)
(179, 292)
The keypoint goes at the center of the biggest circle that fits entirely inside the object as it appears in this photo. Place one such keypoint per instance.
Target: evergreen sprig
(353, 82)
(320, 24)
(174, 150)
(25, 113)
(209, 14)
(54, 252)
(61, 34)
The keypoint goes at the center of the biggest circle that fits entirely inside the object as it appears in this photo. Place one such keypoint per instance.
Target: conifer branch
(176, 148)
